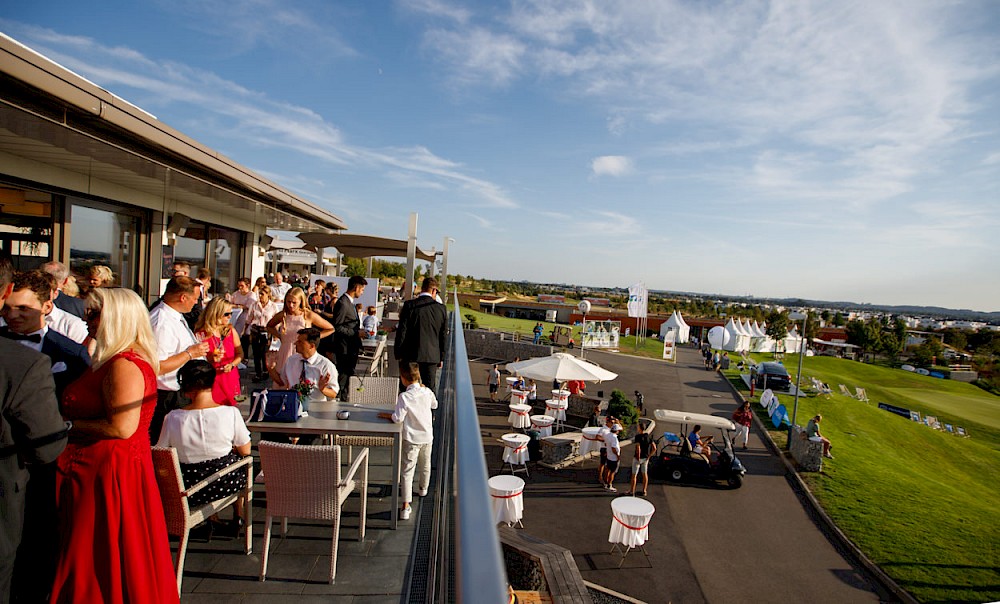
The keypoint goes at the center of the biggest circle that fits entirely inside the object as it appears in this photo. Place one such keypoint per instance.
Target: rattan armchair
(181, 518)
(307, 482)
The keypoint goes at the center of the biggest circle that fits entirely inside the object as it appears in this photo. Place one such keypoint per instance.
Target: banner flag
(637, 299)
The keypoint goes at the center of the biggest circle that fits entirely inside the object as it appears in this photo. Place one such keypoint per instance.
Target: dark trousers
(345, 369)
(259, 342)
(38, 553)
(428, 375)
(245, 345)
(166, 401)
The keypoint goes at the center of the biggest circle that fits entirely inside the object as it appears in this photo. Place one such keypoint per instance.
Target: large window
(25, 226)
(214, 247)
(102, 234)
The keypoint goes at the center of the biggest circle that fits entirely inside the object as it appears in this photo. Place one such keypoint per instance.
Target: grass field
(921, 503)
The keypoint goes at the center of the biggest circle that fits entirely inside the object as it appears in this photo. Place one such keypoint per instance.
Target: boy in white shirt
(413, 410)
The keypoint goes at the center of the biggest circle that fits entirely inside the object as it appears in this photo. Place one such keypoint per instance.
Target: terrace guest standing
(413, 410)
(422, 332)
(295, 316)
(113, 545)
(224, 349)
(258, 315)
(347, 332)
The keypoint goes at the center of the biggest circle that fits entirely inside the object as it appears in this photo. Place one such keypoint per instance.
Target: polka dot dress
(194, 473)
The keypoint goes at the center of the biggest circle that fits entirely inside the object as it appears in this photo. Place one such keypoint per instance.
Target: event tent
(676, 322)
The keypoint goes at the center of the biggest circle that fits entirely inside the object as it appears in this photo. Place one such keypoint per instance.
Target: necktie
(10, 335)
(303, 379)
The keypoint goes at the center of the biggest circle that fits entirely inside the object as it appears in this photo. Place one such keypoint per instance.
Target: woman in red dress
(113, 536)
(224, 349)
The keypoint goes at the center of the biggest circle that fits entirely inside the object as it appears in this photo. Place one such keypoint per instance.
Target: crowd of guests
(105, 376)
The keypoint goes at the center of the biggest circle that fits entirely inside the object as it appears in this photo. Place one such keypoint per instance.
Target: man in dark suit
(31, 432)
(347, 333)
(71, 304)
(421, 334)
(24, 311)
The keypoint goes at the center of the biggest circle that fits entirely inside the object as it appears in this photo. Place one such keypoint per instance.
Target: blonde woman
(224, 349)
(113, 533)
(101, 276)
(259, 314)
(286, 325)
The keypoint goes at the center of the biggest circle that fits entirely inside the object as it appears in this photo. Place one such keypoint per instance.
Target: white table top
(542, 420)
(632, 506)
(518, 408)
(506, 484)
(322, 419)
(556, 403)
(593, 432)
(514, 439)
(511, 380)
(560, 393)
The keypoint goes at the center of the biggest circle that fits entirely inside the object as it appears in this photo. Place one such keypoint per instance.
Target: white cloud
(611, 165)
(437, 8)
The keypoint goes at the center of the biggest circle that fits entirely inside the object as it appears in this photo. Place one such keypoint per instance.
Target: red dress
(113, 536)
(227, 385)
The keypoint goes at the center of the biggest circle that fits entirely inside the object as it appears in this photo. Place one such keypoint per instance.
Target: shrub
(472, 321)
(621, 407)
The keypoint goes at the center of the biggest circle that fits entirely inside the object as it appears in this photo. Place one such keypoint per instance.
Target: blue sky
(830, 150)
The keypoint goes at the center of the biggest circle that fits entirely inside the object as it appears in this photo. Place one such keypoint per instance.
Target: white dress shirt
(280, 291)
(37, 347)
(246, 301)
(413, 410)
(172, 336)
(315, 367)
(71, 326)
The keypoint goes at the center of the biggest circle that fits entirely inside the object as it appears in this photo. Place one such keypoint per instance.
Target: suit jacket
(74, 306)
(346, 330)
(421, 334)
(69, 359)
(28, 414)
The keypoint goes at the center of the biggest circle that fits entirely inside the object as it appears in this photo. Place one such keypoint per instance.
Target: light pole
(584, 308)
(798, 378)
(444, 267)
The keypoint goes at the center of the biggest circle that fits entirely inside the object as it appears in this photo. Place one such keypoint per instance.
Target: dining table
(364, 421)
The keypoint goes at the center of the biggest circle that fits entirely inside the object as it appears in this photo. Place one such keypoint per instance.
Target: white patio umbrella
(561, 366)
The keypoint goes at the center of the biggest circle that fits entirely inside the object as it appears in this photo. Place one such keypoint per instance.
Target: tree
(825, 315)
(866, 335)
(838, 319)
(811, 327)
(777, 327)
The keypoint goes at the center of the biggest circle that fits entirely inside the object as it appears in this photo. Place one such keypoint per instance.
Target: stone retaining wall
(808, 454)
(499, 346)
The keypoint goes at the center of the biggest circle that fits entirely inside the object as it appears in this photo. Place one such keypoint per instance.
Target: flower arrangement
(304, 388)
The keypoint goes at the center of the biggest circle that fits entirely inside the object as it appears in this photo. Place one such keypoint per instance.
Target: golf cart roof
(683, 417)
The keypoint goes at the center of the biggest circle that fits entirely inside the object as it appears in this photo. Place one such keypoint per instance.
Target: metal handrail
(466, 561)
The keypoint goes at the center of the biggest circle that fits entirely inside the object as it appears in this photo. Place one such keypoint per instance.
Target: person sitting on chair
(700, 446)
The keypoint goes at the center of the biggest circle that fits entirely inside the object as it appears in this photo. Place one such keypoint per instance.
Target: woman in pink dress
(286, 324)
(113, 537)
(224, 350)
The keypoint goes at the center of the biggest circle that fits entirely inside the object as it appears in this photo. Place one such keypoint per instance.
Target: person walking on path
(644, 449)
(743, 418)
(413, 410)
(493, 381)
(611, 465)
(421, 334)
(347, 333)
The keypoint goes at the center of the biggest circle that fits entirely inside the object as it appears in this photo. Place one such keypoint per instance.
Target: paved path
(754, 544)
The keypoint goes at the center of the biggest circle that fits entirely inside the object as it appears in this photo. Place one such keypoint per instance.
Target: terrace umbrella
(562, 367)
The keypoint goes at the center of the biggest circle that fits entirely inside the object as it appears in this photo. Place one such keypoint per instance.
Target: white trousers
(743, 431)
(416, 460)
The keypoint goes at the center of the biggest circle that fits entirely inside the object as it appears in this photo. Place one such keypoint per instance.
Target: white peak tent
(738, 339)
(793, 341)
(761, 342)
(676, 323)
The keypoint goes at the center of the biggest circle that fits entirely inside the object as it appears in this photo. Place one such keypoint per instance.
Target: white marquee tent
(738, 339)
(676, 322)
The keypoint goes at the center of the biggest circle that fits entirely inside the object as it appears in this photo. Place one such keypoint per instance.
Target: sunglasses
(227, 314)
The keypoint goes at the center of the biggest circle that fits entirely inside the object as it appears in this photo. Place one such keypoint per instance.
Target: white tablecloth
(592, 440)
(556, 409)
(507, 498)
(560, 395)
(515, 448)
(519, 397)
(542, 423)
(630, 521)
(519, 416)
(510, 382)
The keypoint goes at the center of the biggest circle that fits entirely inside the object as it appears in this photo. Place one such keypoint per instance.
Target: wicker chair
(372, 391)
(306, 482)
(180, 517)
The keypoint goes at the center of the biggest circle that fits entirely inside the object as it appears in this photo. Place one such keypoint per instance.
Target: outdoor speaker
(265, 241)
(178, 224)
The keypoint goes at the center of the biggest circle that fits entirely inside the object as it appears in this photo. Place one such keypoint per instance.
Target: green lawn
(922, 504)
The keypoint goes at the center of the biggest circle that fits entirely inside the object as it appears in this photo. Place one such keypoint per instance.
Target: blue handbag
(275, 406)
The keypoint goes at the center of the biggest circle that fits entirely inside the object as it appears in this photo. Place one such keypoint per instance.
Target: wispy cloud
(257, 119)
(611, 165)
(437, 8)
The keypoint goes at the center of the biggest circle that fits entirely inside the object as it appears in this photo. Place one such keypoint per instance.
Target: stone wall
(499, 346)
(807, 454)
(964, 376)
